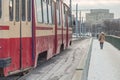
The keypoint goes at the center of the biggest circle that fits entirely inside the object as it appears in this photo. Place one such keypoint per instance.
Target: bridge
(84, 60)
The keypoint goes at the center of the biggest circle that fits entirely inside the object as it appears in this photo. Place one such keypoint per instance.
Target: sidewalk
(104, 64)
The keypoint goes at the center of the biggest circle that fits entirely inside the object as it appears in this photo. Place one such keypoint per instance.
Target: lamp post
(77, 20)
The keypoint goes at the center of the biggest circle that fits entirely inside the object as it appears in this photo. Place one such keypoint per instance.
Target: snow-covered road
(104, 64)
(62, 66)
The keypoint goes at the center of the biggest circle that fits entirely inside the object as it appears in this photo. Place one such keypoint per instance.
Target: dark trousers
(101, 45)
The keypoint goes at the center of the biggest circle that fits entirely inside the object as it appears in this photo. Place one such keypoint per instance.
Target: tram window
(45, 11)
(69, 18)
(68, 21)
(47, 2)
(65, 16)
(50, 12)
(59, 17)
(0, 8)
(23, 10)
(11, 10)
(58, 12)
(29, 10)
(65, 20)
(39, 11)
(17, 10)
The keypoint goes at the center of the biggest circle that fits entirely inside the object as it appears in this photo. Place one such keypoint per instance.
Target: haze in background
(112, 5)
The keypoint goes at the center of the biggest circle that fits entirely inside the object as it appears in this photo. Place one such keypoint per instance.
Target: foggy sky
(112, 5)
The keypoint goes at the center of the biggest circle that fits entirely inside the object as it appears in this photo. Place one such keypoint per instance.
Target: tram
(32, 30)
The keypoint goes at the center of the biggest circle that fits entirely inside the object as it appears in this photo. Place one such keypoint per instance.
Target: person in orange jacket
(101, 39)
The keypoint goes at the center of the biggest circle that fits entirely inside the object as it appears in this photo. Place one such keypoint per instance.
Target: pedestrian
(101, 39)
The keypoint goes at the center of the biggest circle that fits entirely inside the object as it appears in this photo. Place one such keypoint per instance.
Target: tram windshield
(0, 8)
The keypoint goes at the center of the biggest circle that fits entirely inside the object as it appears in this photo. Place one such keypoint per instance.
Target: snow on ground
(104, 64)
(62, 66)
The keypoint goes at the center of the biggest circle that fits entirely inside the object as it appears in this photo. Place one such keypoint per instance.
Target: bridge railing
(114, 40)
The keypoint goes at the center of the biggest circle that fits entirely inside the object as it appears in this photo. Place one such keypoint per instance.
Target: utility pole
(82, 29)
(77, 20)
(80, 24)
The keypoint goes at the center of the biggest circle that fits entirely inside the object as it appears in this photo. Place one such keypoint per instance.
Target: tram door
(22, 31)
(66, 24)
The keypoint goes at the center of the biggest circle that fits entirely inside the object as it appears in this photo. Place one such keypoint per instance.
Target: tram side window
(65, 15)
(50, 11)
(0, 8)
(69, 21)
(17, 10)
(11, 10)
(23, 10)
(58, 13)
(39, 11)
(45, 11)
(29, 10)
(47, 2)
(53, 19)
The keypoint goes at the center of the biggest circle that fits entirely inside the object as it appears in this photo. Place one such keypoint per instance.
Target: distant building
(97, 16)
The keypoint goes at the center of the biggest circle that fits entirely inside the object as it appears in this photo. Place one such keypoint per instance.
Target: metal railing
(114, 40)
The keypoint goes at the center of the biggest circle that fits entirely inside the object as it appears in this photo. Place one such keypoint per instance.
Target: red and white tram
(31, 30)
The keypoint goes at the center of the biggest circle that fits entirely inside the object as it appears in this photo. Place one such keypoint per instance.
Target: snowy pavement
(104, 64)
(61, 66)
